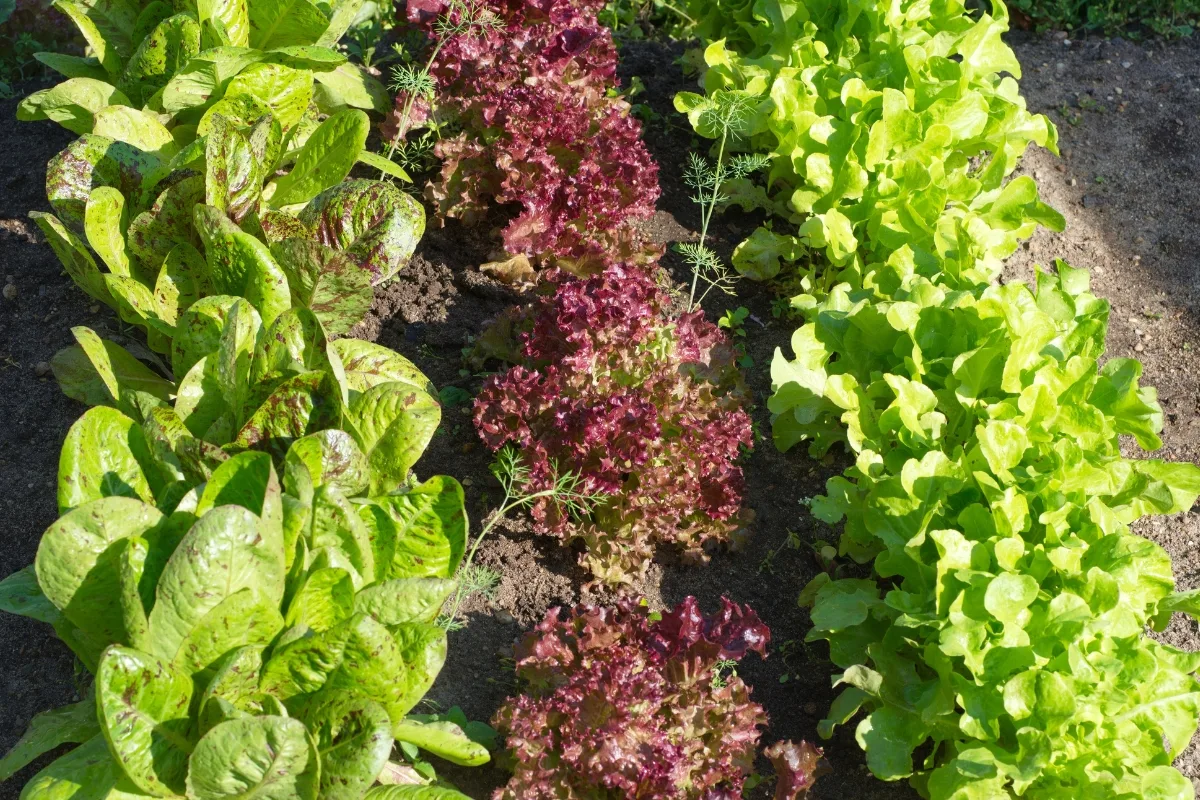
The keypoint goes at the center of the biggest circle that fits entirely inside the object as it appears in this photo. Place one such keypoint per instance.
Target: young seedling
(568, 491)
(727, 115)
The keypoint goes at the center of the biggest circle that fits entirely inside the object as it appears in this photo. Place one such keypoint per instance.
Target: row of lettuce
(999, 649)
(609, 383)
(244, 559)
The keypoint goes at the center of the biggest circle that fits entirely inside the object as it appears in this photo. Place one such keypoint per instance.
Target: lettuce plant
(538, 130)
(260, 638)
(617, 704)
(157, 68)
(644, 409)
(887, 125)
(1003, 639)
(151, 238)
(246, 386)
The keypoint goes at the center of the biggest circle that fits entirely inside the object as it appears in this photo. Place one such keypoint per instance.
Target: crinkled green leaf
(143, 708)
(325, 159)
(269, 757)
(373, 222)
(330, 283)
(72, 103)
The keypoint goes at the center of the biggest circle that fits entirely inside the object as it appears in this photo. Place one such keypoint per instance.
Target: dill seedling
(727, 114)
(568, 491)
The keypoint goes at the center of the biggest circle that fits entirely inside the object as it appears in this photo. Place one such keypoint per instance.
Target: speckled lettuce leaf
(373, 222)
(21, 595)
(233, 177)
(243, 618)
(143, 707)
(160, 56)
(48, 730)
(224, 552)
(201, 406)
(324, 599)
(302, 405)
(444, 739)
(368, 364)
(334, 526)
(310, 57)
(278, 225)
(107, 27)
(414, 793)
(430, 523)
(73, 66)
(105, 455)
(104, 223)
(86, 773)
(349, 86)
(72, 103)
(328, 457)
(354, 739)
(296, 343)
(99, 372)
(181, 282)
(357, 656)
(204, 78)
(76, 259)
(136, 305)
(138, 128)
(336, 288)
(269, 757)
(232, 16)
(79, 558)
(405, 600)
(325, 159)
(239, 264)
(168, 223)
(423, 647)
(393, 423)
(198, 332)
(285, 23)
(91, 161)
(285, 91)
(234, 359)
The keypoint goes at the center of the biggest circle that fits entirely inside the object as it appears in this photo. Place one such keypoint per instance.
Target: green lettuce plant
(151, 238)
(1000, 649)
(888, 124)
(167, 68)
(247, 386)
(261, 638)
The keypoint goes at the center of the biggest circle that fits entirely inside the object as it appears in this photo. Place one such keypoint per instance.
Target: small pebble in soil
(504, 618)
(1138, 348)
(1072, 182)
(94, 309)
(42, 369)
(10, 291)
(1126, 64)
(1139, 240)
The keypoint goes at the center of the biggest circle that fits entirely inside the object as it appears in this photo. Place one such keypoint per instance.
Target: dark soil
(1135, 229)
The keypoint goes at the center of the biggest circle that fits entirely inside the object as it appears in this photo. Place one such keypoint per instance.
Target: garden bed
(1124, 185)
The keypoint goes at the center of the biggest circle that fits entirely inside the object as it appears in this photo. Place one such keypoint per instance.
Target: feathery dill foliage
(566, 489)
(727, 117)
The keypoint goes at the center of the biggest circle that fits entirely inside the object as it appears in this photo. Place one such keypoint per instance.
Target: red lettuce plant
(538, 129)
(644, 409)
(617, 705)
